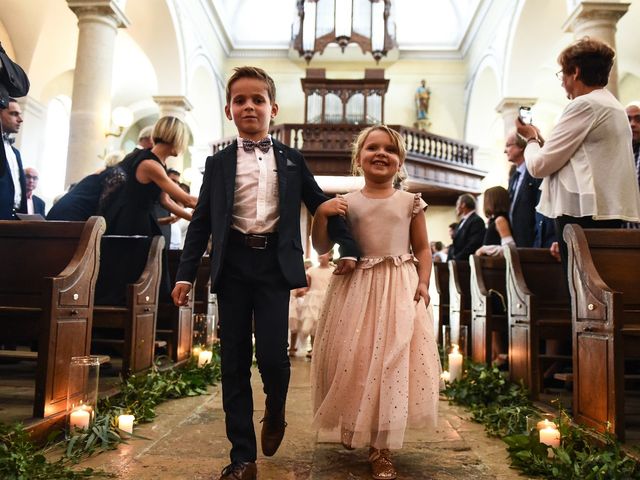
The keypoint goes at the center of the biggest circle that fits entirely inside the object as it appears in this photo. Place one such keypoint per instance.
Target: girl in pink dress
(376, 370)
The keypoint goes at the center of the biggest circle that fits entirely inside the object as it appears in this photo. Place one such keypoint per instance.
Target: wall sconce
(122, 118)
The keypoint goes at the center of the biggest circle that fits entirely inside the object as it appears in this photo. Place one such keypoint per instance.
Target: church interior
(449, 75)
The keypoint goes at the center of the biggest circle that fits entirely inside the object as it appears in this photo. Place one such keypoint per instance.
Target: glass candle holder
(82, 392)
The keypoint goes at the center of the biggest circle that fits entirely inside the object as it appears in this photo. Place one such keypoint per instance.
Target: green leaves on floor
(502, 407)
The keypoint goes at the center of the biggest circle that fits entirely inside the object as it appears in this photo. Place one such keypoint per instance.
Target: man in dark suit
(470, 232)
(529, 228)
(249, 204)
(13, 190)
(34, 203)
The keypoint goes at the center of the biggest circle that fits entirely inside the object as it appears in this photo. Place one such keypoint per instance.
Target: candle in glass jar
(204, 357)
(125, 423)
(196, 351)
(455, 363)
(80, 417)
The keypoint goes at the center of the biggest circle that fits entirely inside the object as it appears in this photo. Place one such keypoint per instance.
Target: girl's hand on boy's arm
(333, 206)
(422, 292)
(344, 266)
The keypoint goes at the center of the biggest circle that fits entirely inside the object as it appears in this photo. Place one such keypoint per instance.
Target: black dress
(491, 236)
(131, 213)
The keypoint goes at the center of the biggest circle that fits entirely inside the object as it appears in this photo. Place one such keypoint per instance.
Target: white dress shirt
(587, 162)
(15, 174)
(255, 206)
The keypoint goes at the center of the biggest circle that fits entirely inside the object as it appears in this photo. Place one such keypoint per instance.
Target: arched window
(355, 109)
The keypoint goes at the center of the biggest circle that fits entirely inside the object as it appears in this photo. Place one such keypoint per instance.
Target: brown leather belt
(258, 241)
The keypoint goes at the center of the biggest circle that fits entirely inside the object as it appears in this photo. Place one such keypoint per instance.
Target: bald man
(633, 113)
(34, 203)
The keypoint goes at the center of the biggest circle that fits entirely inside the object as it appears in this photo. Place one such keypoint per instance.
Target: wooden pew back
(46, 297)
(441, 278)
(604, 266)
(460, 301)
(538, 309)
(488, 302)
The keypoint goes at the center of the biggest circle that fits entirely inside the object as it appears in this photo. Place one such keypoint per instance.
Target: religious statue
(423, 95)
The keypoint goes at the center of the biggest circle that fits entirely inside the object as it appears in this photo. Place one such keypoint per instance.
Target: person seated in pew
(469, 232)
(498, 233)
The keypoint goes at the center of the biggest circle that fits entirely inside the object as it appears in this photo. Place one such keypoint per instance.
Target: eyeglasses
(560, 75)
(30, 177)
(507, 145)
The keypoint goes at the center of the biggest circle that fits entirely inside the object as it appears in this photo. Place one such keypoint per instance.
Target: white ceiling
(421, 25)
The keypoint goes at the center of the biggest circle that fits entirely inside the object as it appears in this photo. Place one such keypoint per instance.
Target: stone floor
(187, 442)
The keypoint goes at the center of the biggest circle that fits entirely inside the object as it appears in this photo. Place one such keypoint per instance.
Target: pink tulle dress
(376, 369)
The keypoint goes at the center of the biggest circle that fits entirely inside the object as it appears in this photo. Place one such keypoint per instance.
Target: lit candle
(125, 424)
(550, 436)
(545, 424)
(444, 376)
(80, 418)
(196, 351)
(455, 363)
(204, 357)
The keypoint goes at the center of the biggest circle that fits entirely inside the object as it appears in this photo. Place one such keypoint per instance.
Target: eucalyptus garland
(139, 395)
(502, 407)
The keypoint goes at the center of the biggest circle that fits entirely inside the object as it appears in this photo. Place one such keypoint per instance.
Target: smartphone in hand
(525, 115)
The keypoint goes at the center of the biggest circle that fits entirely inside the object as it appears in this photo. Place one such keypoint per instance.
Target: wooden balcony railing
(440, 167)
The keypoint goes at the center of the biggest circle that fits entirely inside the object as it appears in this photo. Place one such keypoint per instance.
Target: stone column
(509, 107)
(598, 20)
(98, 21)
(174, 105)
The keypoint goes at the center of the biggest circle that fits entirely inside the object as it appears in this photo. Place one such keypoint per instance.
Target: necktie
(8, 139)
(264, 145)
(513, 184)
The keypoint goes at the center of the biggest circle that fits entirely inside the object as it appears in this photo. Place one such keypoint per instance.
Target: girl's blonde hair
(171, 131)
(398, 142)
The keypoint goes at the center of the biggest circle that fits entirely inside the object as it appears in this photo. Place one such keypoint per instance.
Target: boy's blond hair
(171, 131)
(252, 72)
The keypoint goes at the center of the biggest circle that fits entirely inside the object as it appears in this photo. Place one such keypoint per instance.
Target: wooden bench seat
(46, 298)
(441, 277)
(539, 313)
(124, 316)
(604, 268)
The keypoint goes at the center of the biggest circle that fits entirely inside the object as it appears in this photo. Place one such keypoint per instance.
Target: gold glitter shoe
(381, 466)
(346, 437)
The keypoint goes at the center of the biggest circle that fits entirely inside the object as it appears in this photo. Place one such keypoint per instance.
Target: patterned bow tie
(8, 139)
(264, 145)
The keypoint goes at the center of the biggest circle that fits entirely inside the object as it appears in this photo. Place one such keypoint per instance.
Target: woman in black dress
(496, 209)
(131, 211)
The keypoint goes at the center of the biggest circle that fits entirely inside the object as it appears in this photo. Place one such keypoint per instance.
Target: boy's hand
(334, 206)
(344, 266)
(422, 292)
(180, 294)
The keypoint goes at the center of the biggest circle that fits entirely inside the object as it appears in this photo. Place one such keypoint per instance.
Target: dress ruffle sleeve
(418, 204)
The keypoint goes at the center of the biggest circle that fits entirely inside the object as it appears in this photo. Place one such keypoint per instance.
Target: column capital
(607, 13)
(102, 8)
(176, 105)
(509, 104)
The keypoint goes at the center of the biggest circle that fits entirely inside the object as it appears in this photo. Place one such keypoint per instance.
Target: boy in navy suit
(250, 204)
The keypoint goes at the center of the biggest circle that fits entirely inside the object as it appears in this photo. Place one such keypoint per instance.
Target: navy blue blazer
(213, 215)
(7, 190)
(467, 239)
(523, 211)
(38, 205)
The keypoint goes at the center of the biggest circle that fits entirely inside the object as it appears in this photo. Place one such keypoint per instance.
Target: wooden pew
(49, 272)
(441, 276)
(126, 305)
(175, 324)
(539, 311)
(488, 305)
(604, 268)
(459, 301)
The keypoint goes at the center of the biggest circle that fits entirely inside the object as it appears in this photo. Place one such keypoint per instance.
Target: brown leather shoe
(272, 432)
(381, 466)
(239, 471)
